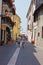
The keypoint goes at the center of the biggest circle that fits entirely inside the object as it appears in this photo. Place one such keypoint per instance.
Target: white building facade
(35, 22)
(39, 31)
(30, 20)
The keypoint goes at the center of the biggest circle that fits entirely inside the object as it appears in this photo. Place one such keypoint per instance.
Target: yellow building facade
(16, 28)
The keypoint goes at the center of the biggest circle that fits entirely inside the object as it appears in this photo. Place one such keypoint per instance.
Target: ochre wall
(16, 28)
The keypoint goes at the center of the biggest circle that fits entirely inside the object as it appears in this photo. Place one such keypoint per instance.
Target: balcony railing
(5, 6)
(8, 1)
(7, 20)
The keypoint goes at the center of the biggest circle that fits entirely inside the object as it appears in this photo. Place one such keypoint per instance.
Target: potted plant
(33, 41)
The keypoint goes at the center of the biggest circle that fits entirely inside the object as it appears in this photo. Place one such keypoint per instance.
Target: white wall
(39, 39)
(29, 33)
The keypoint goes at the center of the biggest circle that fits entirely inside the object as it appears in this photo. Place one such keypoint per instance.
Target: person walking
(23, 42)
(18, 41)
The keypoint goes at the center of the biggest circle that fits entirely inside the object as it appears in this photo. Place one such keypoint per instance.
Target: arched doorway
(8, 34)
(3, 31)
(5, 34)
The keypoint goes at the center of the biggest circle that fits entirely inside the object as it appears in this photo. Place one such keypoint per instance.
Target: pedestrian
(23, 42)
(18, 41)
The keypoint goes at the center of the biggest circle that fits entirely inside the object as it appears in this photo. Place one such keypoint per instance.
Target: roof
(32, 1)
(38, 8)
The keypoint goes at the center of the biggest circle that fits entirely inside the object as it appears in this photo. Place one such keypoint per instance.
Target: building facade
(16, 28)
(7, 22)
(0, 18)
(38, 18)
(30, 20)
(37, 24)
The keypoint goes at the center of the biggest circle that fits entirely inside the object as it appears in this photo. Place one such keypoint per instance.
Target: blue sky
(21, 9)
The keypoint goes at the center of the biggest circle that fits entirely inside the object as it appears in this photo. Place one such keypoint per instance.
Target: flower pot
(33, 41)
(9, 42)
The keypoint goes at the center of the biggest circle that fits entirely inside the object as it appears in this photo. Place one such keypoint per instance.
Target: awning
(38, 9)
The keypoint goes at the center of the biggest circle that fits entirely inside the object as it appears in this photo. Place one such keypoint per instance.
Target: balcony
(30, 27)
(10, 1)
(9, 7)
(7, 20)
(5, 6)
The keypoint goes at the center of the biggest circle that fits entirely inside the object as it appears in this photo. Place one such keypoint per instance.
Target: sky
(22, 7)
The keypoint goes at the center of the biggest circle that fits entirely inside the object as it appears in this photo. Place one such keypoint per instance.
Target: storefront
(5, 34)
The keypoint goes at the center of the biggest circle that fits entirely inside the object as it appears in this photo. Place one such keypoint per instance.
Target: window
(36, 16)
(38, 34)
(28, 27)
(42, 31)
(29, 18)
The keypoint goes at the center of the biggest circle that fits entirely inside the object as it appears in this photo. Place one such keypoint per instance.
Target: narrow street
(6, 52)
(14, 55)
(21, 32)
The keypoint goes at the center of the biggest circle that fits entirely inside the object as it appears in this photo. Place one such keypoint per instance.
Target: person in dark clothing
(18, 41)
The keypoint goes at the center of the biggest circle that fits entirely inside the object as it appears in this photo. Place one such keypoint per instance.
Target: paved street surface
(14, 55)
(6, 52)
